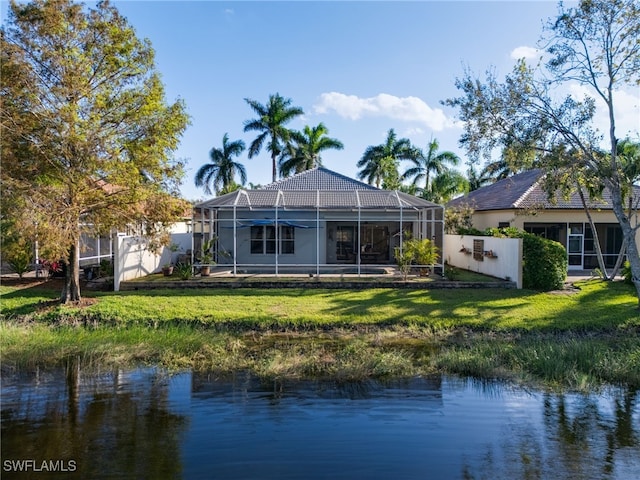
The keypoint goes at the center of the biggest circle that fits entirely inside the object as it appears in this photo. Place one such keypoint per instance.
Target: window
(287, 237)
(263, 240)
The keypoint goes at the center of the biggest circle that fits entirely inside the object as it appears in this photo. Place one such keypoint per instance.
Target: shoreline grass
(580, 341)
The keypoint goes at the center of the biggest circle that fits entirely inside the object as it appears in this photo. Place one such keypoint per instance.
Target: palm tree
(304, 153)
(221, 171)
(445, 186)
(433, 162)
(380, 162)
(271, 121)
(477, 180)
(499, 170)
(629, 158)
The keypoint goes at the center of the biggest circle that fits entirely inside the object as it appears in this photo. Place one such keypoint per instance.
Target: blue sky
(359, 67)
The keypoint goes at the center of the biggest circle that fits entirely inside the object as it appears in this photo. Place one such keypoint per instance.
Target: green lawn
(572, 340)
(597, 305)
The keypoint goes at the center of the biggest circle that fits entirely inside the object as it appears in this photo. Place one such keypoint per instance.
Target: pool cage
(313, 231)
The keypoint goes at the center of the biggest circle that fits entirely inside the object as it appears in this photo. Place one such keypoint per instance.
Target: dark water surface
(145, 424)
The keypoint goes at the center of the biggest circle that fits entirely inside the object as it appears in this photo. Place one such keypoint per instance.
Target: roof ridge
(318, 176)
(289, 178)
(522, 197)
(368, 187)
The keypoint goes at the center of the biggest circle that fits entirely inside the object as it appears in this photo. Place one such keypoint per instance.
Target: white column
(235, 242)
(277, 239)
(318, 233)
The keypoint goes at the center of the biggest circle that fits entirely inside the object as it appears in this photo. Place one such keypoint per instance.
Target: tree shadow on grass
(603, 306)
(433, 308)
(29, 295)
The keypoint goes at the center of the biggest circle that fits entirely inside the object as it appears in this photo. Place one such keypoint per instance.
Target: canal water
(147, 424)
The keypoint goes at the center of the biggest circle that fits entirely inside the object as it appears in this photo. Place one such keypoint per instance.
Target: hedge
(544, 262)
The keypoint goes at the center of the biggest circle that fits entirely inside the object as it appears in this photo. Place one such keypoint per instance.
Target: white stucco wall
(132, 259)
(507, 265)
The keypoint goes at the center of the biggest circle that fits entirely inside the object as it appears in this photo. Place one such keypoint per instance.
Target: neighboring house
(317, 218)
(520, 201)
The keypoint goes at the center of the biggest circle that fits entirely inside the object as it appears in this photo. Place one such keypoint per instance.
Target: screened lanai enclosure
(315, 222)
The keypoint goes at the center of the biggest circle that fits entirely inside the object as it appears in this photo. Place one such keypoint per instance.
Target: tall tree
(428, 164)
(477, 180)
(445, 186)
(379, 163)
(500, 169)
(304, 153)
(594, 44)
(271, 122)
(222, 169)
(87, 136)
(629, 157)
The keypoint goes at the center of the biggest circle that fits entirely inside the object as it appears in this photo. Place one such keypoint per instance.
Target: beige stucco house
(520, 201)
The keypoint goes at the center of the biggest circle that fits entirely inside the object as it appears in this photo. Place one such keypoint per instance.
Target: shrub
(470, 231)
(404, 258)
(16, 249)
(458, 219)
(106, 268)
(184, 271)
(544, 263)
(423, 252)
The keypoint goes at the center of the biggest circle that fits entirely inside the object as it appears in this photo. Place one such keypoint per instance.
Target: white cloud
(524, 52)
(413, 132)
(229, 11)
(406, 109)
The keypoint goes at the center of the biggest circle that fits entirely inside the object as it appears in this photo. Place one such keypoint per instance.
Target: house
(520, 201)
(317, 220)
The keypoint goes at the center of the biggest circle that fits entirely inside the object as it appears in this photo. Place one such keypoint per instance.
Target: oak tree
(87, 134)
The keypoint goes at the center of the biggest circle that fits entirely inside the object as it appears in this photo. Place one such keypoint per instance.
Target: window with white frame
(263, 239)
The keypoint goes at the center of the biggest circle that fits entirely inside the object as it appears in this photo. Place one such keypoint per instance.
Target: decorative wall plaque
(478, 250)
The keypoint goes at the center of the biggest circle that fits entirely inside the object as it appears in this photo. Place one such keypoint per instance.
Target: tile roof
(315, 188)
(524, 191)
(318, 178)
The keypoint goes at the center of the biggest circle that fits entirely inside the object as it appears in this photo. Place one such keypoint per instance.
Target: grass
(580, 340)
(460, 276)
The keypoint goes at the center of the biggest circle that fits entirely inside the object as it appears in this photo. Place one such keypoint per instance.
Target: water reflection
(114, 425)
(147, 424)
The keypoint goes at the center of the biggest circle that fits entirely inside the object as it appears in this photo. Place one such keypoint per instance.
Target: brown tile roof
(524, 191)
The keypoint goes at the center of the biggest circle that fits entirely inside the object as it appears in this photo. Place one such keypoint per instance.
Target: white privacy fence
(498, 257)
(133, 259)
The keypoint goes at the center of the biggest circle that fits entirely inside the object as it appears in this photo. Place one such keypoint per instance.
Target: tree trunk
(596, 240)
(71, 288)
(628, 234)
(274, 172)
(619, 260)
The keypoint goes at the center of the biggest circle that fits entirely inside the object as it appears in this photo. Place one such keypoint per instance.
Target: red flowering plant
(51, 266)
